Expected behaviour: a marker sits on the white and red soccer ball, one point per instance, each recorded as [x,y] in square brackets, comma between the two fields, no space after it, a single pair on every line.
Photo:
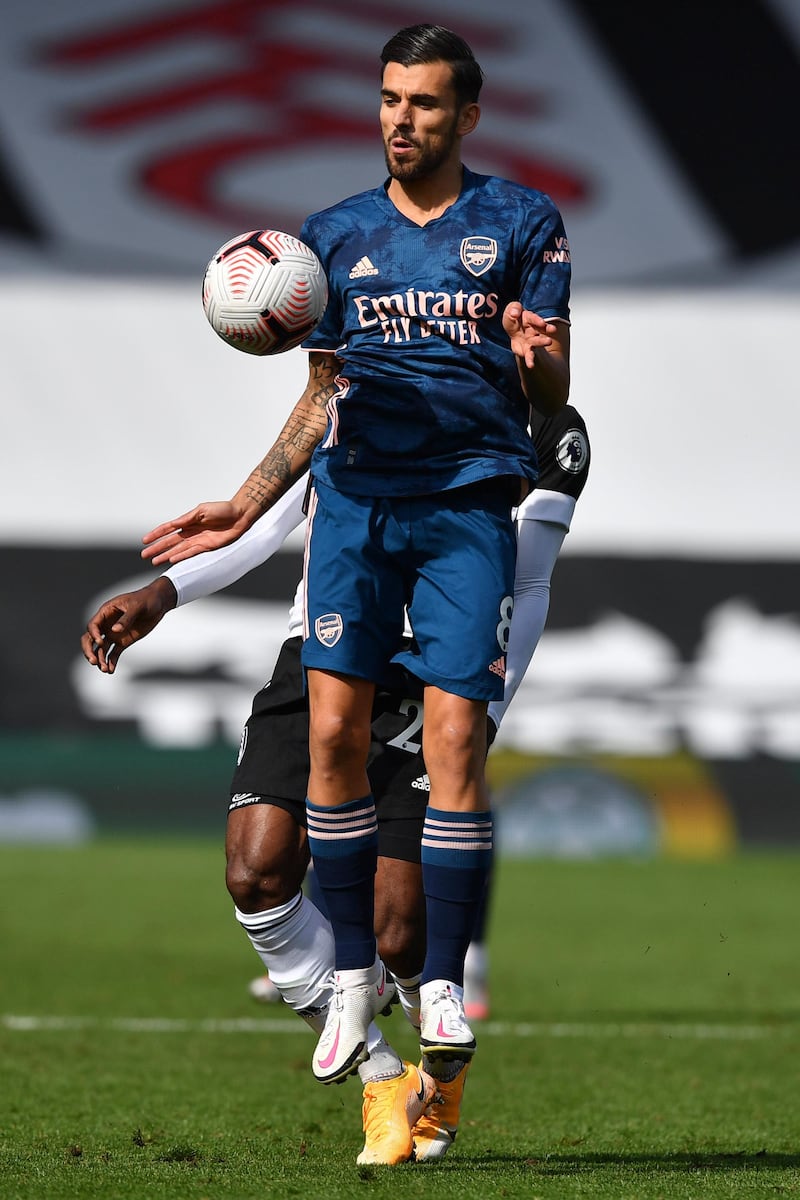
[264,292]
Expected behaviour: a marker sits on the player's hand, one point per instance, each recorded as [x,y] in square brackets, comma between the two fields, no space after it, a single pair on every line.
[206,527]
[527,332]
[123,620]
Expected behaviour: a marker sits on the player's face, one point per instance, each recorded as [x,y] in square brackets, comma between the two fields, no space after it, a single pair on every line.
[421,121]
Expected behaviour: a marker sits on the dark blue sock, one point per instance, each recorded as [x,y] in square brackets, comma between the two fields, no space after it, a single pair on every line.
[456,860]
[482,915]
[314,891]
[344,846]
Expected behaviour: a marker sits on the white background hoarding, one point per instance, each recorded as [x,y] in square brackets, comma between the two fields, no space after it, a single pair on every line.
[128,410]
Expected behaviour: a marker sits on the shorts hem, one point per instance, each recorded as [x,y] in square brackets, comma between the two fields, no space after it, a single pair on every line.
[295,808]
[456,687]
[375,676]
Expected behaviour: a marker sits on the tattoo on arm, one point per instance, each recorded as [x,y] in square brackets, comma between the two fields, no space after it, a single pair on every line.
[304,429]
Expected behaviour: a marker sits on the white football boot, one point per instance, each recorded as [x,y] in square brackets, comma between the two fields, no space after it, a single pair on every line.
[358,997]
[444,1032]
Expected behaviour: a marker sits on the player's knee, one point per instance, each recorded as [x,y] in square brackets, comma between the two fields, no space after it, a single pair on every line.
[336,740]
[455,746]
[255,883]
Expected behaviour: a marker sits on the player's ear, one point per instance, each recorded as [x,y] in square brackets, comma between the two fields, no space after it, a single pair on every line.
[468,118]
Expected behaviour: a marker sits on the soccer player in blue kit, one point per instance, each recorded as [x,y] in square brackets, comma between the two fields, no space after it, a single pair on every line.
[448,319]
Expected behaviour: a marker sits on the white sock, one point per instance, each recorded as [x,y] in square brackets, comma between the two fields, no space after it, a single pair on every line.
[476,963]
[295,944]
[383,1061]
[408,994]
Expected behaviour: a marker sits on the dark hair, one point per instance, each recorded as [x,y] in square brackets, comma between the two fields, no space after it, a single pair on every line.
[433,43]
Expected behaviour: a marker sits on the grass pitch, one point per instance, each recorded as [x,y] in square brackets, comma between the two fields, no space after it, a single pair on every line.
[644,1038]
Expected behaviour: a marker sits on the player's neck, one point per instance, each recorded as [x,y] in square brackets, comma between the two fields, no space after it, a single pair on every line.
[423,200]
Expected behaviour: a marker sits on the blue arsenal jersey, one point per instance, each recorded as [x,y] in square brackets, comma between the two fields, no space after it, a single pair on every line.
[429,396]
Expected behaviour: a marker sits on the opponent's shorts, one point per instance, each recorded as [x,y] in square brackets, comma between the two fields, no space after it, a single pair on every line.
[273,762]
[564,453]
[449,557]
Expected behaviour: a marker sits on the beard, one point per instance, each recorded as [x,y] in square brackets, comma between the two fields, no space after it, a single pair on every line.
[429,158]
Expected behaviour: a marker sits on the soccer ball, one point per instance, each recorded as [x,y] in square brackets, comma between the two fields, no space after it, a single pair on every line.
[264,292]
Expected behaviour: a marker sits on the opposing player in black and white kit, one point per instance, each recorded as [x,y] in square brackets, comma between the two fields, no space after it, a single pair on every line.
[266,844]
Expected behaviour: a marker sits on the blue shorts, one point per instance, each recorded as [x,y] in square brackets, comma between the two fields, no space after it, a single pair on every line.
[449,558]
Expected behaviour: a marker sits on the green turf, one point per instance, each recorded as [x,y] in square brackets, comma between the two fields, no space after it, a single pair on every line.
[645,1039]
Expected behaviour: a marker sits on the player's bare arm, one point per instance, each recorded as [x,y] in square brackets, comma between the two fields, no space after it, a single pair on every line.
[123,620]
[217,523]
[541,348]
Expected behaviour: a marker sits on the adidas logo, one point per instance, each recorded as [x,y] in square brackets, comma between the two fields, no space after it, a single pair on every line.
[499,667]
[363,268]
[423,783]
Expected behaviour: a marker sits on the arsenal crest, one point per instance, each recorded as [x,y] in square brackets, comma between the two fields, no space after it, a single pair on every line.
[328,628]
[478,253]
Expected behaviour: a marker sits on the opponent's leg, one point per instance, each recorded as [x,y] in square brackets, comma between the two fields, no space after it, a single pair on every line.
[268,852]
[267,855]
[400,926]
[266,844]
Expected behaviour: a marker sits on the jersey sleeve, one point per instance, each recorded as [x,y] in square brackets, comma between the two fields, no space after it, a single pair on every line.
[546,268]
[327,336]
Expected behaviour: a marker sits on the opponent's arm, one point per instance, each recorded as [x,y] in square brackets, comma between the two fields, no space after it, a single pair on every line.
[123,620]
[538,546]
[541,349]
[218,523]
[129,617]
[216,569]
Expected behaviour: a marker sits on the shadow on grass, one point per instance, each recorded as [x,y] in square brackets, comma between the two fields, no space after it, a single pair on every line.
[576,1164]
